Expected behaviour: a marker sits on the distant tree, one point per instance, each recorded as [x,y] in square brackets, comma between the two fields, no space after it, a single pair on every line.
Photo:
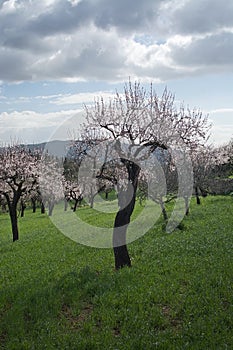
[162,181]
[3,203]
[204,161]
[106,187]
[18,172]
[35,196]
[23,205]
[51,181]
[91,148]
[144,122]
[220,180]
[224,160]
[73,192]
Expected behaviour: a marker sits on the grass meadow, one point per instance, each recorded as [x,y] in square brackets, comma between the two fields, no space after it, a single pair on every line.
[58,294]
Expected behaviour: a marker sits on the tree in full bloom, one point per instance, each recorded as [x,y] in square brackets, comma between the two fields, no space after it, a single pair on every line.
[144,122]
[18,174]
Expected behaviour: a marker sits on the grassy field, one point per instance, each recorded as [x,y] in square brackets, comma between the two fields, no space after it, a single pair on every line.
[57,294]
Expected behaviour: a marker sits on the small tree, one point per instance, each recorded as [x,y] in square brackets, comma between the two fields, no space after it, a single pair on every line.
[73,192]
[3,203]
[18,169]
[51,181]
[204,160]
[162,179]
[34,196]
[224,160]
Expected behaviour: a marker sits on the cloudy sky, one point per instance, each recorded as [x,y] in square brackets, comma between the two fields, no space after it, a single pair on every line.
[56,55]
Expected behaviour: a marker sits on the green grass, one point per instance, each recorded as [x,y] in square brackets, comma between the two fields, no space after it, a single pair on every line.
[57,294]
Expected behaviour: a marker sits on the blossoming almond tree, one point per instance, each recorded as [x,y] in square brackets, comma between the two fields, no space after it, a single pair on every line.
[73,192]
[144,121]
[51,179]
[18,172]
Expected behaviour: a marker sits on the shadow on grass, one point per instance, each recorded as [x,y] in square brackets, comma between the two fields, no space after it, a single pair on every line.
[33,312]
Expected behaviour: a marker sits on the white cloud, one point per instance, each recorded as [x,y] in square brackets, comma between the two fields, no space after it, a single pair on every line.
[81,98]
[30,126]
[221,110]
[103,39]
[222,125]
[9,6]
[221,134]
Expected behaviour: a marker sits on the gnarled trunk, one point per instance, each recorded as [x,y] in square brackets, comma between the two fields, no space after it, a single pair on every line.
[42,207]
[197,195]
[126,200]
[186,200]
[12,206]
[164,212]
[23,207]
[14,221]
[121,223]
[33,205]
[75,205]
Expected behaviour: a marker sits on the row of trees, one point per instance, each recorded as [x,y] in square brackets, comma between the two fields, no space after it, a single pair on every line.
[118,140]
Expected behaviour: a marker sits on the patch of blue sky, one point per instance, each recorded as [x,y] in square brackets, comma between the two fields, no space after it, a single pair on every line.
[148,40]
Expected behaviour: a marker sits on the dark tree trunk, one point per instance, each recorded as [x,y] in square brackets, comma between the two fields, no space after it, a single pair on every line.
[126,200]
[164,212]
[75,205]
[197,195]
[121,254]
[23,207]
[186,200]
[42,208]
[106,195]
[203,192]
[122,257]
[4,208]
[12,206]
[33,205]
[14,222]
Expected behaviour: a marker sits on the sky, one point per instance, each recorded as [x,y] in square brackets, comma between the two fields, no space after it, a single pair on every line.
[56,55]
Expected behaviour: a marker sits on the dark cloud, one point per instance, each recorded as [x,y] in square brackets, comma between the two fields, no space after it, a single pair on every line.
[61,18]
[96,57]
[14,65]
[210,51]
[201,16]
[125,15]
[55,39]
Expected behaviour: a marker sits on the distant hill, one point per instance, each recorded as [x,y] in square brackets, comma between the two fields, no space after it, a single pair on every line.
[57,148]
[64,149]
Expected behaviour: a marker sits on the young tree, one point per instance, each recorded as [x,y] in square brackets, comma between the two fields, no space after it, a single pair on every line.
[34,196]
[164,182]
[220,178]
[91,147]
[73,191]
[224,160]
[144,122]
[51,181]
[18,171]
[203,160]
[3,203]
